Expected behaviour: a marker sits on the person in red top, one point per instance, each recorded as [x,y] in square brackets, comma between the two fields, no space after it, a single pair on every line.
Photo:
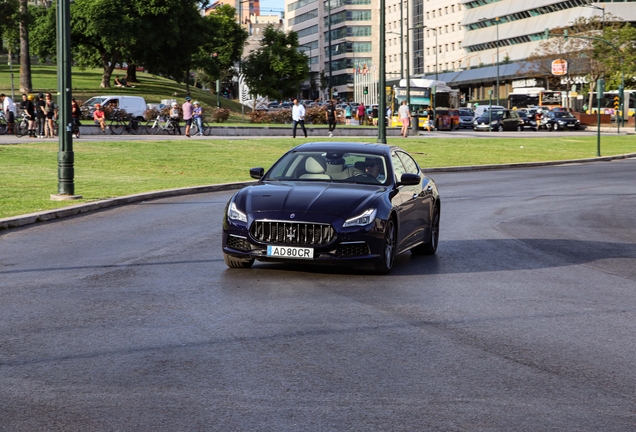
[100,119]
[361,112]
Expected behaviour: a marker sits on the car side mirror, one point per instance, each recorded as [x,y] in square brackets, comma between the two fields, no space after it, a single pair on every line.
[410,180]
[257,173]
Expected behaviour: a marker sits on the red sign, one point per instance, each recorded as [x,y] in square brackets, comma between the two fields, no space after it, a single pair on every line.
[559,67]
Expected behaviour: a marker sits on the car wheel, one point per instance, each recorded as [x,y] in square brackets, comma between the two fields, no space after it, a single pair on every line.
[500,128]
[430,247]
[385,263]
[232,262]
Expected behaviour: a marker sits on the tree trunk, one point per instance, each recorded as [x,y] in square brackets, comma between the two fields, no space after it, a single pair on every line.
[131,73]
[26,85]
[187,81]
[108,64]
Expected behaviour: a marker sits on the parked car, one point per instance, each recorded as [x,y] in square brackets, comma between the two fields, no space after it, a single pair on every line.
[528,120]
[499,120]
[334,202]
[466,117]
[483,109]
[133,105]
[556,120]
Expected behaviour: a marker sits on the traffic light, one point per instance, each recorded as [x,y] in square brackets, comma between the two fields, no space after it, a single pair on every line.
[617,103]
[366,90]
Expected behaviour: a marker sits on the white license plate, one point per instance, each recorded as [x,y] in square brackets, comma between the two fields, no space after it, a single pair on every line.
[290,252]
[570,125]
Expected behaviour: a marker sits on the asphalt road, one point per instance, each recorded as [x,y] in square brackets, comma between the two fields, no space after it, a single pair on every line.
[128,319]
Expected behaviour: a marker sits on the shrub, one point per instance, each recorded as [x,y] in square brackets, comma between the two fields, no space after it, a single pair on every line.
[315,115]
[220,115]
[280,116]
[259,116]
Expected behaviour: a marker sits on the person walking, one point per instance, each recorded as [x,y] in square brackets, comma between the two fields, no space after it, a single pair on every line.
[50,109]
[348,114]
[298,117]
[431,119]
[197,115]
[405,117]
[76,113]
[187,114]
[361,111]
[331,117]
[28,108]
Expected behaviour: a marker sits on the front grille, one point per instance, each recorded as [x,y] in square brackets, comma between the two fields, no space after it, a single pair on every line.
[292,233]
[239,243]
[352,249]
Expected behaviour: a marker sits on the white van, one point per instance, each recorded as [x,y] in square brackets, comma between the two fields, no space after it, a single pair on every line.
[483,109]
[133,105]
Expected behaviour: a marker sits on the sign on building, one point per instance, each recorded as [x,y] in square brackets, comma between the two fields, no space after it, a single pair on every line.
[559,67]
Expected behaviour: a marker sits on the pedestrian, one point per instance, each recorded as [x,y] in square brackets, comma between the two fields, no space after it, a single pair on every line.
[374,115]
[431,119]
[40,114]
[361,113]
[348,114]
[197,115]
[330,113]
[405,118]
[28,108]
[187,114]
[298,117]
[8,108]
[76,113]
[99,118]
[389,113]
[50,109]
[174,117]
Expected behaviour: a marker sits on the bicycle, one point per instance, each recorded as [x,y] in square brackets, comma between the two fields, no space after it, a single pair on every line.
[22,126]
[154,126]
[206,129]
[3,124]
[118,124]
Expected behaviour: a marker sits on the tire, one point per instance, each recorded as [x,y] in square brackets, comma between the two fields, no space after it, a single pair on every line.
[21,129]
[171,129]
[207,130]
[430,247]
[3,127]
[116,127]
[232,262]
[194,129]
[385,263]
[152,127]
[135,127]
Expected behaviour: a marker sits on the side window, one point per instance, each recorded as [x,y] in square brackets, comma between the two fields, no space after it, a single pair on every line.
[410,166]
[398,167]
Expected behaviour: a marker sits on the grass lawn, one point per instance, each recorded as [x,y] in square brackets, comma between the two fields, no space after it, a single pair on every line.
[28,173]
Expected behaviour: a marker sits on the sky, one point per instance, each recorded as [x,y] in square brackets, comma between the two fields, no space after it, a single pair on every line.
[271,4]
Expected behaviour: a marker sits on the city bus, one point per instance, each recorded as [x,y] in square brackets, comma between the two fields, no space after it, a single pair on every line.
[524,97]
[607,102]
[422,97]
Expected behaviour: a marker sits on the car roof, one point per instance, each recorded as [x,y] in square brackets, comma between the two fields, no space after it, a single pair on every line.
[329,146]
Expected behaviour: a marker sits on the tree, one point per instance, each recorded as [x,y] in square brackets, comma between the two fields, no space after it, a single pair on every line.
[277,68]
[26,84]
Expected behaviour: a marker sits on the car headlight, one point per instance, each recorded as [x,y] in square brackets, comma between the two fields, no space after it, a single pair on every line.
[362,220]
[561,122]
[235,214]
[494,122]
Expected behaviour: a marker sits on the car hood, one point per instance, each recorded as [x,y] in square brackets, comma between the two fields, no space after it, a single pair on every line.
[336,199]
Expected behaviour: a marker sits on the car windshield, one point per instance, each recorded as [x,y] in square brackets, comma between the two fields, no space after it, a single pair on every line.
[522,114]
[496,115]
[342,167]
[94,100]
[563,114]
[467,113]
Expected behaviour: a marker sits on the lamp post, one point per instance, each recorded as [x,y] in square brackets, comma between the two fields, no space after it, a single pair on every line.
[382,78]
[435,30]
[601,8]
[329,31]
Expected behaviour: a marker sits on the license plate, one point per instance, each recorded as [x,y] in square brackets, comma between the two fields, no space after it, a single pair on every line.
[570,125]
[290,252]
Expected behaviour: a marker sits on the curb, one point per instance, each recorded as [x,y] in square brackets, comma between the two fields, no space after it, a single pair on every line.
[50,215]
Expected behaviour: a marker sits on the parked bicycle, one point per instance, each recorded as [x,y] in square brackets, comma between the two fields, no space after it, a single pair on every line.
[169,126]
[22,126]
[121,122]
[3,124]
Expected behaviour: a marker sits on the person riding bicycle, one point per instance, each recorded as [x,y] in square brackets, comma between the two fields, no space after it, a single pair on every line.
[174,117]
[99,117]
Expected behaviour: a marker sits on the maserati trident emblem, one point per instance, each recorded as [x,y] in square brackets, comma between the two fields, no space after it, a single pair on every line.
[291,234]
[293,215]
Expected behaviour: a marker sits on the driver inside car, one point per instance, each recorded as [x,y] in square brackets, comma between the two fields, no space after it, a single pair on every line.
[372,167]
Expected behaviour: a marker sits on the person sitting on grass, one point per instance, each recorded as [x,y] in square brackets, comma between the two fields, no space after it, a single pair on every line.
[121,82]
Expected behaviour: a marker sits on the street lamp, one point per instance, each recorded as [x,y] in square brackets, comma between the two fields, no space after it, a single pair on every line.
[497,25]
[382,78]
[330,62]
[601,8]
[435,30]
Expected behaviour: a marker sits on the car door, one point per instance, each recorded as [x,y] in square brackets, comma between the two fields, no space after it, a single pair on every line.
[415,205]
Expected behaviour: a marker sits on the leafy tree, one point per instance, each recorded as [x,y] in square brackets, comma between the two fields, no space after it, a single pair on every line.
[277,68]
[26,84]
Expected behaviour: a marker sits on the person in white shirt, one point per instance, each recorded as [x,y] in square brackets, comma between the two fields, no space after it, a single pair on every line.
[9,111]
[298,117]
[405,118]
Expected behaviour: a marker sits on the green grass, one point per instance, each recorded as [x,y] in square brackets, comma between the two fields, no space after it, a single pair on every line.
[28,173]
